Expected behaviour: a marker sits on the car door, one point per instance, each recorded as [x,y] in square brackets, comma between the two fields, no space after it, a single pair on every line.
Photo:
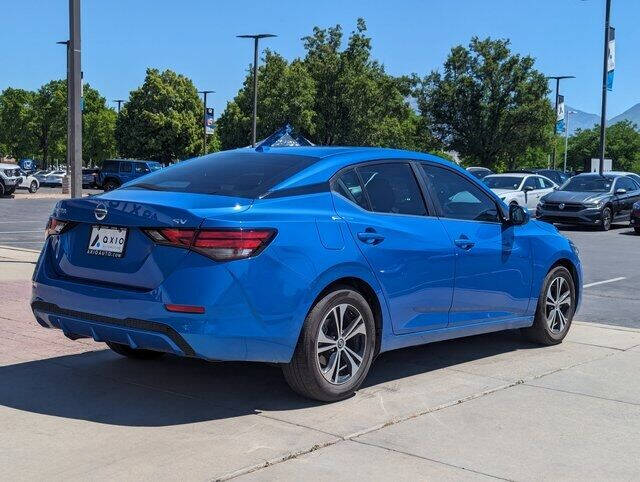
[406,246]
[623,201]
[126,171]
[140,169]
[546,186]
[532,194]
[493,260]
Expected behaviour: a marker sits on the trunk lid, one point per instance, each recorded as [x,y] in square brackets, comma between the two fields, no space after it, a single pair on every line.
[143,264]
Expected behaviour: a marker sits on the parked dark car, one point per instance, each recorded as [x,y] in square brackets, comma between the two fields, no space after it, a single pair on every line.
[116,172]
[90,177]
[480,172]
[635,217]
[559,177]
[591,199]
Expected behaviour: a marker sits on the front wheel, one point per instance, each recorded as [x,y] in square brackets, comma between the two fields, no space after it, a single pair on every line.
[335,348]
[33,187]
[137,353]
[637,230]
[605,219]
[555,310]
[110,186]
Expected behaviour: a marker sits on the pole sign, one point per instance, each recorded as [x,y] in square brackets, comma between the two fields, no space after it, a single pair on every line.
[560,115]
[611,60]
[208,120]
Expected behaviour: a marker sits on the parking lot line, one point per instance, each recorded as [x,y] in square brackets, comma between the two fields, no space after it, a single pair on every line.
[589,285]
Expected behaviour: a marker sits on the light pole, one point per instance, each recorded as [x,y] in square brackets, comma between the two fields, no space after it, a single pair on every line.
[603,114]
[557,78]
[256,38]
[566,137]
[204,118]
[119,101]
[68,159]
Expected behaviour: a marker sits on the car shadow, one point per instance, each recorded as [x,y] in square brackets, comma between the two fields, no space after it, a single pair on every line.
[631,232]
[102,387]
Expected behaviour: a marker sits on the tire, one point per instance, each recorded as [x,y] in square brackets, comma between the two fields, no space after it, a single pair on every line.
[309,373]
[2,189]
[110,185]
[138,354]
[33,187]
[547,329]
[637,229]
[605,219]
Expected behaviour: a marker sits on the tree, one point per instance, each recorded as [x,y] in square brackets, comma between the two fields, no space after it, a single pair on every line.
[622,146]
[489,105]
[98,128]
[50,121]
[286,95]
[162,119]
[332,96]
[16,123]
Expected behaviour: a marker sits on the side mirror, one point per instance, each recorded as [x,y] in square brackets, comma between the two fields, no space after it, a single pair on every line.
[621,191]
[528,188]
[517,215]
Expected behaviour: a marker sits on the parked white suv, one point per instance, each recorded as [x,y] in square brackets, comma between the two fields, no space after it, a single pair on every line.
[520,188]
[9,178]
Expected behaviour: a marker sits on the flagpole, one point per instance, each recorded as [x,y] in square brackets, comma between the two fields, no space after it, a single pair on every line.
[603,113]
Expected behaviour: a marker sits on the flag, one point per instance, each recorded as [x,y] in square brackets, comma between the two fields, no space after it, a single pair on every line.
[611,60]
[208,120]
[560,115]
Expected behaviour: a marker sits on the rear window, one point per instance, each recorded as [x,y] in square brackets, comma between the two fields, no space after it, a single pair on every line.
[110,166]
[232,173]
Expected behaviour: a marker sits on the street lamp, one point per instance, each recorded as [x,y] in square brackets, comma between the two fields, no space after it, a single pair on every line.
[204,118]
[566,136]
[557,78]
[119,101]
[256,38]
[603,114]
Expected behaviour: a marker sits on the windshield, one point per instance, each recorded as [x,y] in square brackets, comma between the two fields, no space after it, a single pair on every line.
[503,182]
[588,184]
[238,173]
[154,166]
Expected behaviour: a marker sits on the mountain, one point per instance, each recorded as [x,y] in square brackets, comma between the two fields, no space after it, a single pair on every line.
[581,120]
[632,114]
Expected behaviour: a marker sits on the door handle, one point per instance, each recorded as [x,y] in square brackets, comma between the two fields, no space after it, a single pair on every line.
[464,243]
[370,237]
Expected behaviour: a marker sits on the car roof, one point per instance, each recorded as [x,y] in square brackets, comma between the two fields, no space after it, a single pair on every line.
[329,160]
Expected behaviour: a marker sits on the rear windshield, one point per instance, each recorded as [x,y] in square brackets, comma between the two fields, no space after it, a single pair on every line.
[588,184]
[233,173]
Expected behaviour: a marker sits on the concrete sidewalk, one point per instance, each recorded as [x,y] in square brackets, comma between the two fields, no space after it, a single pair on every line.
[490,406]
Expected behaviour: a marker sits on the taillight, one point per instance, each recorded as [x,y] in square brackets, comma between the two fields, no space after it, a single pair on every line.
[54,226]
[219,244]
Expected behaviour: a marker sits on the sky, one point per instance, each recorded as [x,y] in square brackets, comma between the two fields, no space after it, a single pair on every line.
[197,38]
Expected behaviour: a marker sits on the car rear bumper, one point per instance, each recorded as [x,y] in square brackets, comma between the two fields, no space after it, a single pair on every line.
[233,327]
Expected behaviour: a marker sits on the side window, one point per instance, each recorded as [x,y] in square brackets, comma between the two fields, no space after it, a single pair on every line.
[348,185]
[392,188]
[141,168]
[110,166]
[625,183]
[530,183]
[544,183]
[125,167]
[458,197]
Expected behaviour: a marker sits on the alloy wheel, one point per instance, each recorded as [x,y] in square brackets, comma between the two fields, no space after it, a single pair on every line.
[341,344]
[606,219]
[558,304]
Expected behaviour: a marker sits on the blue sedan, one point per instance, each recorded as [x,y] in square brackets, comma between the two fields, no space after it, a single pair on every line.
[315,258]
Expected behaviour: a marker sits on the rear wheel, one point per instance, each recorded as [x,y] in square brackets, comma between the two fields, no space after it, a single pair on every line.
[335,348]
[556,306]
[605,219]
[110,185]
[33,187]
[136,353]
